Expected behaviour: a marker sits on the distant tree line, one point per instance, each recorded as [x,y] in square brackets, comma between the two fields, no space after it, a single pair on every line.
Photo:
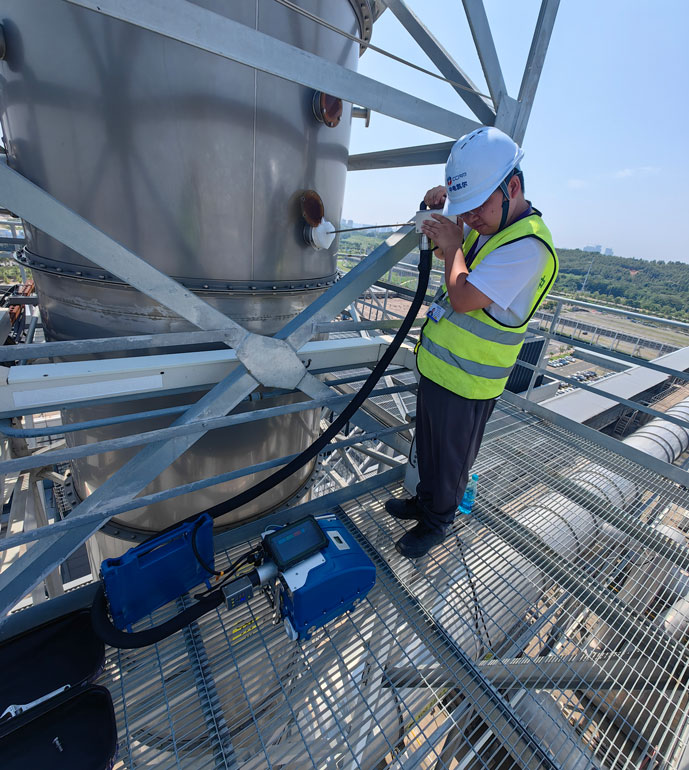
[657,287]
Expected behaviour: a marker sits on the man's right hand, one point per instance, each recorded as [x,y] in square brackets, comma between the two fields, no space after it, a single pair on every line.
[435,197]
[447,235]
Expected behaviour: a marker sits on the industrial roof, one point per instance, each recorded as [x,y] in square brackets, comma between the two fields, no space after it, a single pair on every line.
[582,405]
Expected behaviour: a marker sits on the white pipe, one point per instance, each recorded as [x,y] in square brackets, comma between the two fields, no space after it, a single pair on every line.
[662,439]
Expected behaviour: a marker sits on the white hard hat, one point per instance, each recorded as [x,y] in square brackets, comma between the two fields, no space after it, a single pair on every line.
[477,165]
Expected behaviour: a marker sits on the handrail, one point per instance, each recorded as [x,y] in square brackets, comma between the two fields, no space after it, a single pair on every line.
[618,311]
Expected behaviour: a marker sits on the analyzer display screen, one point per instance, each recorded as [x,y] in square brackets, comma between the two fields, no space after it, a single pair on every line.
[295,542]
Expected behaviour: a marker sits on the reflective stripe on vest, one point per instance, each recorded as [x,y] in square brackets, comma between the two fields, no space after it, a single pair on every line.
[471,367]
[472,354]
[478,328]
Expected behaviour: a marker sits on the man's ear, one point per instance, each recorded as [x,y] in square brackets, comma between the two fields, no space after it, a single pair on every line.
[514,186]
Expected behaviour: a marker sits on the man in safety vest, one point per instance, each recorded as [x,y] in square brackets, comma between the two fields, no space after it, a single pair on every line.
[500,263]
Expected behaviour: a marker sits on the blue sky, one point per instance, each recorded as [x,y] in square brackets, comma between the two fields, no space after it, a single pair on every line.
[606,156]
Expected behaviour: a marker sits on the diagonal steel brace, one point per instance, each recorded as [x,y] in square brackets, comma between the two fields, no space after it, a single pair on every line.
[42,557]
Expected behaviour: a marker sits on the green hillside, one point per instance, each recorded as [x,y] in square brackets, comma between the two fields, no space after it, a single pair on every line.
[655,287]
[360,242]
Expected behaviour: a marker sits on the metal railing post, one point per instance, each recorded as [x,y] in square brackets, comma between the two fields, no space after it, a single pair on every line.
[544,349]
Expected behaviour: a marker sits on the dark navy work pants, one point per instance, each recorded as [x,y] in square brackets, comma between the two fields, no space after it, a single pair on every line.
[449,430]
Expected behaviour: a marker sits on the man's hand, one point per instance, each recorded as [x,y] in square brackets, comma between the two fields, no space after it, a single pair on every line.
[447,234]
[435,197]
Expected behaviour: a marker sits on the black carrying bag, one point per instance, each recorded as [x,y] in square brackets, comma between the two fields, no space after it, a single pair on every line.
[72,731]
[75,729]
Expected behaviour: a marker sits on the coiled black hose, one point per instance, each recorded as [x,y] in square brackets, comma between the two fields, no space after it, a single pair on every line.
[110,634]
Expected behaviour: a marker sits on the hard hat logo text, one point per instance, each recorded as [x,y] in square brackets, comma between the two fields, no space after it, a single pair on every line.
[454,183]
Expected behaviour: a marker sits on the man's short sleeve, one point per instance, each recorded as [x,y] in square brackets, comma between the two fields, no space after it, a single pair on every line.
[510,276]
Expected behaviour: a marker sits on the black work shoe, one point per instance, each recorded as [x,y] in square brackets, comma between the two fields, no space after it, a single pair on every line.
[418,541]
[403,509]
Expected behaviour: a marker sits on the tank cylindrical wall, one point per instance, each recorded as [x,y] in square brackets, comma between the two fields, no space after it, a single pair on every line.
[196,164]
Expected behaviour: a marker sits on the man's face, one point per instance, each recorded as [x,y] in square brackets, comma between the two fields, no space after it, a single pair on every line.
[486,218]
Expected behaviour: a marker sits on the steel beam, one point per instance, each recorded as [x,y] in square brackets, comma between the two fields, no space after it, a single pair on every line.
[22,299]
[298,331]
[319,390]
[330,399]
[443,61]
[69,523]
[380,457]
[608,671]
[615,399]
[650,639]
[422,155]
[485,47]
[110,344]
[600,356]
[525,748]
[217,729]
[198,27]
[385,417]
[359,326]
[46,387]
[36,206]
[42,557]
[629,524]
[534,66]
[81,598]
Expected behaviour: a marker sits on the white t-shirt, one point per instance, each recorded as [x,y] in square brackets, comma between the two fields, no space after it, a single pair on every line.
[510,275]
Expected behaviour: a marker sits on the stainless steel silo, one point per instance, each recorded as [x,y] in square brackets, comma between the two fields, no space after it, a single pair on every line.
[196,164]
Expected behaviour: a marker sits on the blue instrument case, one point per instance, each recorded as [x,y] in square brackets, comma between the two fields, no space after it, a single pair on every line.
[157,571]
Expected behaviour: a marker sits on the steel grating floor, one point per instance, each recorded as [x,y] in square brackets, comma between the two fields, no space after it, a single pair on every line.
[548,631]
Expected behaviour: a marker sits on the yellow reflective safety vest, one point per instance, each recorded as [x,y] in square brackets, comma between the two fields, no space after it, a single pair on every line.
[472,354]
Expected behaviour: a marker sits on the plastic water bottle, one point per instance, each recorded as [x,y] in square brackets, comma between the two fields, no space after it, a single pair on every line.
[469,495]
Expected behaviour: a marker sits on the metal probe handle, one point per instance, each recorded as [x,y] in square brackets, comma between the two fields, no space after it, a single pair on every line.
[424,240]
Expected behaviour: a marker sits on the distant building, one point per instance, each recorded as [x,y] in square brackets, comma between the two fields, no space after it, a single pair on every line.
[596,249]
[609,253]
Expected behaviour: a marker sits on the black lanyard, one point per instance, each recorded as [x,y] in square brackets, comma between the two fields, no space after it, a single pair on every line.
[472,252]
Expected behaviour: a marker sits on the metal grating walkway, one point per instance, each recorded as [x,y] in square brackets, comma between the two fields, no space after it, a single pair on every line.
[548,631]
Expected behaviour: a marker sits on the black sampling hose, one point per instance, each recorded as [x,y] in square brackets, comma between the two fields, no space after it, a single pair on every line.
[346,414]
[103,625]
[110,634]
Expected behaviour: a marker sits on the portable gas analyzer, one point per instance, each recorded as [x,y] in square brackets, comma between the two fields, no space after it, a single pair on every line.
[322,572]
[313,570]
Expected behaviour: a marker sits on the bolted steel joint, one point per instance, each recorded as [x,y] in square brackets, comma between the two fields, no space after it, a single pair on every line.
[272,362]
